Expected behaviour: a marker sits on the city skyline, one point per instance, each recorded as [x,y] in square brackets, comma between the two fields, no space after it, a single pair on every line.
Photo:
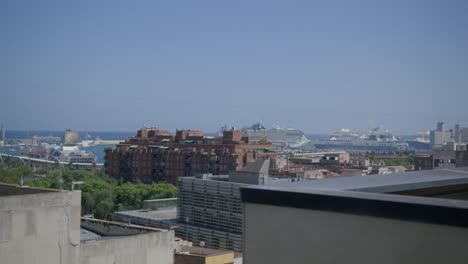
[318,67]
[30,131]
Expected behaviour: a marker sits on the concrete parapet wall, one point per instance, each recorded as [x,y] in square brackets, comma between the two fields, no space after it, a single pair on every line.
[40,228]
[313,236]
[154,248]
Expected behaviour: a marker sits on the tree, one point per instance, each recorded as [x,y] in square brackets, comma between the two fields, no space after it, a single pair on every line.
[104,200]
[87,203]
[13,175]
[104,210]
[101,194]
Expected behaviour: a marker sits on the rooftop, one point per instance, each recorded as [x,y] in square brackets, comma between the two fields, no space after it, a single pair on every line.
[160,214]
[258,166]
[95,229]
[413,196]
[379,183]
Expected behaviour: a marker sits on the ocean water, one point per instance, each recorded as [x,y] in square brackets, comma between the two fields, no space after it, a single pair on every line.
[98,150]
[21,134]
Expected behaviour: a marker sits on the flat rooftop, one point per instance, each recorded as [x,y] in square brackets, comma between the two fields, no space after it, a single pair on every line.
[379,183]
[410,196]
[160,214]
[96,229]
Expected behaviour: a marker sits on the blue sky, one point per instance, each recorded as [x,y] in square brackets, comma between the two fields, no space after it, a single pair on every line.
[314,65]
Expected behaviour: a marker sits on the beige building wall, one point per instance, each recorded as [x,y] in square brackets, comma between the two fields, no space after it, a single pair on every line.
[221,259]
[189,259]
[41,228]
[274,234]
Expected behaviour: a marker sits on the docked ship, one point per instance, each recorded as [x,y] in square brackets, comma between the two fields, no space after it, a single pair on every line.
[290,137]
[72,154]
[356,140]
[68,152]
[421,143]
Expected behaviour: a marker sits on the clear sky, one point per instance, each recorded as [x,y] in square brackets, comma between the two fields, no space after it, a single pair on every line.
[314,65]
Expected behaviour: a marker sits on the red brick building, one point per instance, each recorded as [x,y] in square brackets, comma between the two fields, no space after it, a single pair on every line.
[156,155]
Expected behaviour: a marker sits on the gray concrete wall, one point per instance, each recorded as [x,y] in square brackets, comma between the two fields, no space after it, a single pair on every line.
[281,235]
[462,158]
[40,228]
[244,177]
[154,248]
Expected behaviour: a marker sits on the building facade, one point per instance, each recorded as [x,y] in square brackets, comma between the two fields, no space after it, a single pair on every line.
[210,210]
[209,207]
[464,134]
[451,155]
[43,226]
[440,136]
[359,220]
[423,161]
[155,155]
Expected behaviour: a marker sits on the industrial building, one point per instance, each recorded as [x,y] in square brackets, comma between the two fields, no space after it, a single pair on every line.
[412,217]
[43,226]
[155,155]
[209,207]
[450,155]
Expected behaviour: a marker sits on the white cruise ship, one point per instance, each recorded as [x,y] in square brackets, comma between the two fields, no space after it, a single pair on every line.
[354,140]
[277,135]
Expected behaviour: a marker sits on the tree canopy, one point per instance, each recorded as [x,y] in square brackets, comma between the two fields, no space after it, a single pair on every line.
[101,195]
